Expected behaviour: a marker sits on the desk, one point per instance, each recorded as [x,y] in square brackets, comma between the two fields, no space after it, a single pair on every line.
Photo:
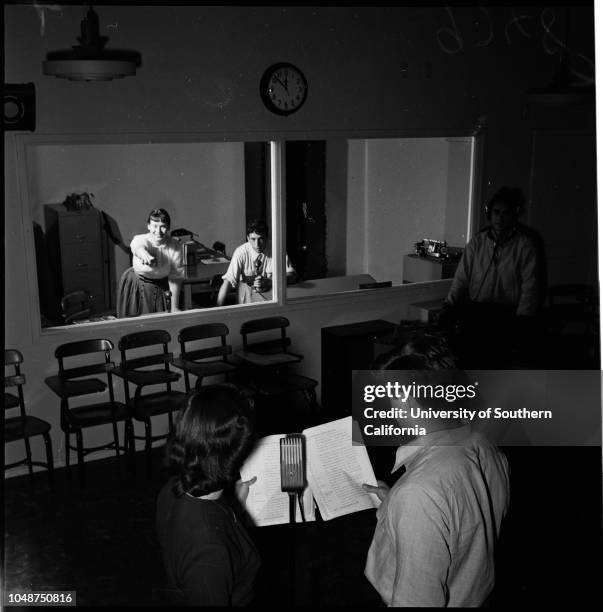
[418,269]
[308,288]
[202,273]
[331,284]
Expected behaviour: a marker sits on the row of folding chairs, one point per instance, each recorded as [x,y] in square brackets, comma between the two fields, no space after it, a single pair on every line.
[149,370]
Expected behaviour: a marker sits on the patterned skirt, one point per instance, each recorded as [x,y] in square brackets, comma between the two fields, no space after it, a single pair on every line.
[137,295]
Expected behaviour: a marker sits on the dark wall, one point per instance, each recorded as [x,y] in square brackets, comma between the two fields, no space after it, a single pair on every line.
[384,69]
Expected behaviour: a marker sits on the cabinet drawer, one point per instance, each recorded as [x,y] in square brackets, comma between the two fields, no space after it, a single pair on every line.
[91,280]
[79,228]
[82,255]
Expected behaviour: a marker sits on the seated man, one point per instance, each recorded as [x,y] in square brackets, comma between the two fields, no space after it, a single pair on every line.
[498,285]
[437,527]
[250,270]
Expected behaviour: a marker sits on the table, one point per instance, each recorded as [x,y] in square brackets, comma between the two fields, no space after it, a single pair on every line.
[419,269]
[325,286]
[198,277]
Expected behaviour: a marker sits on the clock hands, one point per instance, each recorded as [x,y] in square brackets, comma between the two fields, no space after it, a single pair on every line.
[285,100]
[283,84]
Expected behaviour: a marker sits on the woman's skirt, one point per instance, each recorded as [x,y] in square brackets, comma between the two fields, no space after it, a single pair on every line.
[137,295]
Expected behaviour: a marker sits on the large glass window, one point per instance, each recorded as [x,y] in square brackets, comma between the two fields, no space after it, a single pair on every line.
[356,208]
[210,190]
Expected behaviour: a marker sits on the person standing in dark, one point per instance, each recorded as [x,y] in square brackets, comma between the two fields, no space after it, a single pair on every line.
[498,287]
[207,553]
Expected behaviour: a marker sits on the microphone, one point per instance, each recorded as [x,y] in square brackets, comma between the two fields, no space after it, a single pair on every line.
[258,265]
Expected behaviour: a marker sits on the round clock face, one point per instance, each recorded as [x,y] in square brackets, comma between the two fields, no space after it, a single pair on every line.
[283,88]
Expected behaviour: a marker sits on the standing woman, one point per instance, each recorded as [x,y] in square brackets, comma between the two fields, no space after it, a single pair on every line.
[208,556]
[156,270]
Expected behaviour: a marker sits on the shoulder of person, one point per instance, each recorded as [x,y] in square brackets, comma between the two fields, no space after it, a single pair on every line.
[140,239]
[241,250]
[477,240]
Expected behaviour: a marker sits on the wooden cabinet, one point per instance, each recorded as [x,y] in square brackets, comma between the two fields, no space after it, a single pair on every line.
[346,348]
[77,253]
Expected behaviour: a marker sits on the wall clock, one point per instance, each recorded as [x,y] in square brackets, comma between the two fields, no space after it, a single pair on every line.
[283,88]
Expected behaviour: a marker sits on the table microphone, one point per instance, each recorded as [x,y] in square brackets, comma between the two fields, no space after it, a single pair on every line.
[258,265]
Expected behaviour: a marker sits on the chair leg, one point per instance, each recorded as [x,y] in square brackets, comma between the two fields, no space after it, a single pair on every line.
[67,449]
[116,438]
[49,459]
[130,448]
[148,445]
[80,454]
[28,455]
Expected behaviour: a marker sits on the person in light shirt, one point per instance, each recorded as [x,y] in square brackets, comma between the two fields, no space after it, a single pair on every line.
[438,525]
[156,271]
[251,268]
[496,295]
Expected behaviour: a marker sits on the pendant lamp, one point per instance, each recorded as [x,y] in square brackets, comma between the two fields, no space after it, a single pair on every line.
[90,61]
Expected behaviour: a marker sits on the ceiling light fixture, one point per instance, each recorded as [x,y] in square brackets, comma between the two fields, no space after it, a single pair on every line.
[90,61]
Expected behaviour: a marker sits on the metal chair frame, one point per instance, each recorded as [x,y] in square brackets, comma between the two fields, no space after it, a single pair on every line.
[83,380]
[267,359]
[76,306]
[24,425]
[142,407]
[206,361]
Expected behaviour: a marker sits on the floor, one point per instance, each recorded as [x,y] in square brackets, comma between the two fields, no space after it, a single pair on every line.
[100,541]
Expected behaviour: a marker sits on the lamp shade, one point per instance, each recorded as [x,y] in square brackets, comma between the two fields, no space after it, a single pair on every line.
[89,61]
[89,69]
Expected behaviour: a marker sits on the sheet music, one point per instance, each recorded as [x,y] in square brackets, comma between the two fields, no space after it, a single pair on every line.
[266,503]
[337,470]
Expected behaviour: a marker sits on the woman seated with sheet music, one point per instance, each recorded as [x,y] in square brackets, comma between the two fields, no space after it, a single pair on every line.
[208,556]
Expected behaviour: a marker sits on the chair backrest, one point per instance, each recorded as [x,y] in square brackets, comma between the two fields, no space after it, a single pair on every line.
[85,347]
[76,305]
[14,358]
[204,332]
[144,339]
[266,324]
[85,350]
[219,246]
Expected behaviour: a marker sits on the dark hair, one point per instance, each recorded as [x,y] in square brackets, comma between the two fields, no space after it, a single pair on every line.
[212,437]
[511,197]
[421,352]
[159,214]
[431,361]
[257,226]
